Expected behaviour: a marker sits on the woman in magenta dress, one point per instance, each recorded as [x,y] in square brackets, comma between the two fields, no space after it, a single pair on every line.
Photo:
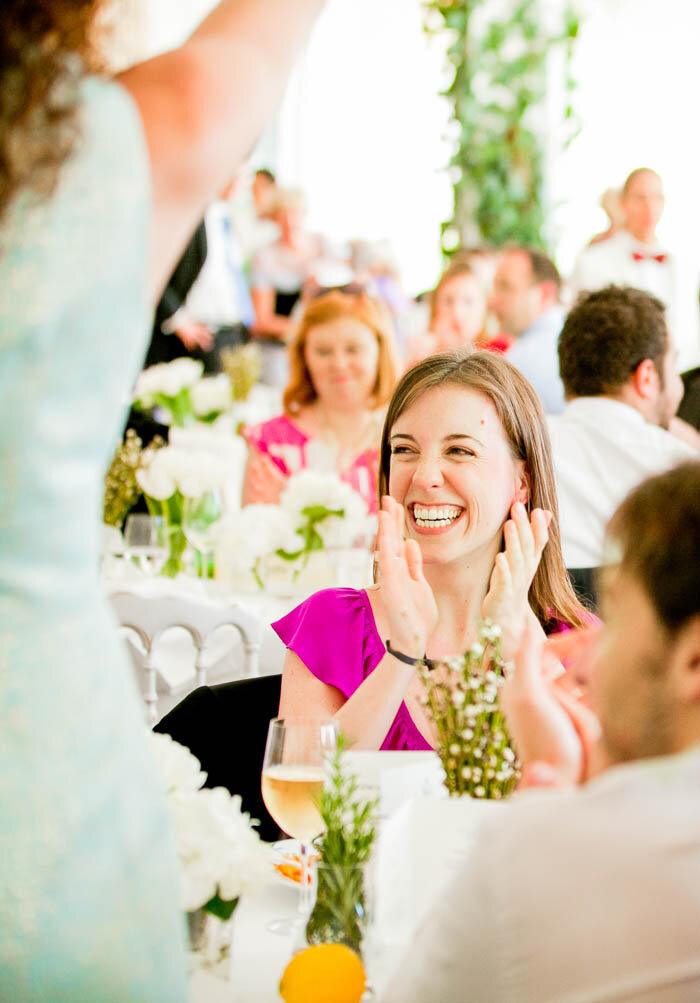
[342,373]
[468,530]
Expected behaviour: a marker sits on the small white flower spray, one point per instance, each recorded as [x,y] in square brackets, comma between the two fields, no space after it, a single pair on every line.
[473,743]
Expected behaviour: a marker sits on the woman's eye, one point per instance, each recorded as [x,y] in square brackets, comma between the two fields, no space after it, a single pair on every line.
[398,450]
[459,451]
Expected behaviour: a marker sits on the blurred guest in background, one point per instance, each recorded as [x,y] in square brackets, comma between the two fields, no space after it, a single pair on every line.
[342,373]
[618,367]
[278,274]
[634,256]
[610,203]
[525,300]
[457,315]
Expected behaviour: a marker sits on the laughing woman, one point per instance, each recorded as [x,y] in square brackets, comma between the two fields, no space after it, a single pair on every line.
[468,529]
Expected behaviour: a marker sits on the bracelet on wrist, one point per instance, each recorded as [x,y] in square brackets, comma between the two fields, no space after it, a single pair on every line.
[408,659]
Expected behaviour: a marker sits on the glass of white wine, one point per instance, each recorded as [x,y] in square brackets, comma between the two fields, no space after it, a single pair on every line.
[145,542]
[293,775]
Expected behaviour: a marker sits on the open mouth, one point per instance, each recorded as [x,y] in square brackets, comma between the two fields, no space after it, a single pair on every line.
[435,516]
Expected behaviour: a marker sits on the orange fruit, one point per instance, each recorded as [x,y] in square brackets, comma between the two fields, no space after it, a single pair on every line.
[324,973]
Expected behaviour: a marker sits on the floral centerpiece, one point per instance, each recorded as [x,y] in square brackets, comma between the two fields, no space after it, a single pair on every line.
[221,855]
[181,393]
[167,478]
[473,743]
[122,488]
[317,511]
[341,911]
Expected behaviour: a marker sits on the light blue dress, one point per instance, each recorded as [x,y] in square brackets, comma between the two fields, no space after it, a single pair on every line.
[88,888]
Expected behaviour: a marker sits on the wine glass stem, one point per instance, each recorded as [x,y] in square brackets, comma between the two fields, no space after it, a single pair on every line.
[305,894]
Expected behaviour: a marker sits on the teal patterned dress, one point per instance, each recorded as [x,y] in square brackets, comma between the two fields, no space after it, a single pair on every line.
[88,888]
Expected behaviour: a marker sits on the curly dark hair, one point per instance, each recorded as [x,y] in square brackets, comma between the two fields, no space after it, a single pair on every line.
[46,46]
[606,335]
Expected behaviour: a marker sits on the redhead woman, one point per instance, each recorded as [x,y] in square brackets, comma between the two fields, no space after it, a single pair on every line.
[342,373]
[468,529]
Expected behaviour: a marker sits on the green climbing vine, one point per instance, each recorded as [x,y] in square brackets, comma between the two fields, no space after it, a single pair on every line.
[497,94]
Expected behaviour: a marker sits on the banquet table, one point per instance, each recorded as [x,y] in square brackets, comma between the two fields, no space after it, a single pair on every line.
[422,838]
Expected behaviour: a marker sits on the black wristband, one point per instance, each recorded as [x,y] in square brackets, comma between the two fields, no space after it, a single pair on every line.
[429,664]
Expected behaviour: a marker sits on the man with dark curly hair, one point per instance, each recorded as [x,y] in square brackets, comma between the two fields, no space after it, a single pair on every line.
[617,364]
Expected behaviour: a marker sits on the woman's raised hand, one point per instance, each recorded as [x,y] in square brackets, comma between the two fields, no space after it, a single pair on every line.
[506,601]
[264,481]
[408,599]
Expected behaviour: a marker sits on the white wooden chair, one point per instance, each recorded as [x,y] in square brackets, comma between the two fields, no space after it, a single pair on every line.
[149,617]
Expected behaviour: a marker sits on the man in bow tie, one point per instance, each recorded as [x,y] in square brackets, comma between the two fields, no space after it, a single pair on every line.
[634,257]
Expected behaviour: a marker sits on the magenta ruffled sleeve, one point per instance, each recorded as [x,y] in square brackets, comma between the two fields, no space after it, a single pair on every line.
[334,635]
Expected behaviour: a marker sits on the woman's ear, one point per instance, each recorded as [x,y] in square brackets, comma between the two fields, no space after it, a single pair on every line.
[522,486]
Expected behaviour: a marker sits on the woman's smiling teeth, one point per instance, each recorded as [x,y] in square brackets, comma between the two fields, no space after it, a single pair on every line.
[433,516]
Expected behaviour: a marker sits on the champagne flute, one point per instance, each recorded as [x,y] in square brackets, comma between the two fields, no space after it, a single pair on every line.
[292,781]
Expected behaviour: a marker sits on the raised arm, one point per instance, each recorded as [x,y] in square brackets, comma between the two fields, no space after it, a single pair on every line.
[203,106]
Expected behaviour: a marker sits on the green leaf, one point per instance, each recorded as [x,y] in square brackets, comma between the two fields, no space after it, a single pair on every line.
[220,907]
[316,513]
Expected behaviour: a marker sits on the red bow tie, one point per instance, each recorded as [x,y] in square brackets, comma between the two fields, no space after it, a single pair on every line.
[649,257]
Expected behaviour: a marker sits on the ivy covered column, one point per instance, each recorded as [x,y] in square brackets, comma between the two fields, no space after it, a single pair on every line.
[499,52]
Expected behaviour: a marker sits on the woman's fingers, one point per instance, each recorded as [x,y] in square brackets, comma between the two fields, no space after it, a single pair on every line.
[414,560]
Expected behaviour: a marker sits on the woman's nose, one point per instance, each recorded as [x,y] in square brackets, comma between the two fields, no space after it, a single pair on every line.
[428,472]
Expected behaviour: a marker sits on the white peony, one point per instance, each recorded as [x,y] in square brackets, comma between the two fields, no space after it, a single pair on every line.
[254,532]
[310,488]
[211,395]
[171,469]
[167,378]
[219,851]
[178,768]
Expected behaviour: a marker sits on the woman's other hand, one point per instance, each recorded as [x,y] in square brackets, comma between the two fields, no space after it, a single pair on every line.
[506,602]
[555,733]
[407,597]
[263,482]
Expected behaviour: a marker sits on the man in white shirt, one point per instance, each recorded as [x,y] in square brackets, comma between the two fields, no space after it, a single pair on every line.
[593,894]
[634,257]
[618,368]
[525,299]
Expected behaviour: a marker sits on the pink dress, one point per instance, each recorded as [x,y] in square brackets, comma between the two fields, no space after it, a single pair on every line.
[334,634]
[286,445]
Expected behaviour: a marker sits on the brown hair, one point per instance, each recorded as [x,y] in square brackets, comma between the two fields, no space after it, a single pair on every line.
[455,271]
[606,335]
[657,530]
[337,305]
[45,49]
[520,412]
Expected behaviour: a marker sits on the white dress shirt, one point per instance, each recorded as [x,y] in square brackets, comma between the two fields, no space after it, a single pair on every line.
[613,261]
[534,353]
[578,896]
[602,449]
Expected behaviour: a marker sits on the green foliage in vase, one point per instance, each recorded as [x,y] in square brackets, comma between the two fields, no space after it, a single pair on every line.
[340,912]
[497,96]
[310,536]
[242,365]
[473,742]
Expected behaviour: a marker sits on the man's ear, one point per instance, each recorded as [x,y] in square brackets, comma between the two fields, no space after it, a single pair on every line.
[685,662]
[646,380]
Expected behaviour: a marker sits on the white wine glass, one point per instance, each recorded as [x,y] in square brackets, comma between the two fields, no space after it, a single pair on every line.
[293,775]
[145,542]
[200,518]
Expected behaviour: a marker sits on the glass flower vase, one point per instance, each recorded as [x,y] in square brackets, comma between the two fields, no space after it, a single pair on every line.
[211,942]
[168,512]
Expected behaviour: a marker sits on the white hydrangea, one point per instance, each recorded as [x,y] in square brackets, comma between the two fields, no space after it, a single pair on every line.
[211,395]
[178,768]
[167,378]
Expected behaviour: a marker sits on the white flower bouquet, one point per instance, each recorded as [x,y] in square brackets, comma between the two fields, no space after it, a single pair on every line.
[168,477]
[221,855]
[169,387]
